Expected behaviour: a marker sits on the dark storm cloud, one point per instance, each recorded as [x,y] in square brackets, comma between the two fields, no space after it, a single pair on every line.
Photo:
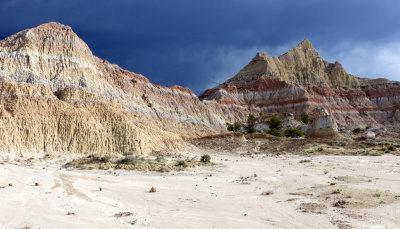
[199,44]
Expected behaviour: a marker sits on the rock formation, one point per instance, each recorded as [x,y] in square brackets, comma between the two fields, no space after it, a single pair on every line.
[300,80]
[57,97]
[321,124]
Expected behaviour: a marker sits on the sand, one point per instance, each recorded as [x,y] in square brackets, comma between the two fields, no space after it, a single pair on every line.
[226,195]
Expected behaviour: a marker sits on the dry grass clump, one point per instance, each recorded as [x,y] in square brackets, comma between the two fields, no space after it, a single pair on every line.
[130,162]
[123,214]
[305,161]
[267,193]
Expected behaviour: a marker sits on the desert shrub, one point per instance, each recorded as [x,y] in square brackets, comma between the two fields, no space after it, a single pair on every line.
[304,117]
[356,130]
[229,126]
[94,157]
[273,132]
[233,127]
[275,123]
[159,159]
[130,160]
[367,127]
[250,118]
[164,170]
[99,158]
[205,158]
[127,153]
[293,132]
[182,163]
[236,126]
[106,158]
[251,130]
[391,148]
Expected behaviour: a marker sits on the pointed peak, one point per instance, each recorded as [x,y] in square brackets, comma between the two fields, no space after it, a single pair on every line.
[305,44]
[52,27]
[49,38]
[261,56]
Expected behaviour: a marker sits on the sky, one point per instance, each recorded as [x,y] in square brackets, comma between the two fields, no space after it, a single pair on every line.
[200,44]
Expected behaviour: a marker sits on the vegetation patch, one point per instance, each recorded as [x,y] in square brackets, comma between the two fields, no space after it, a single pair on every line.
[274,132]
[293,133]
[356,131]
[139,163]
[275,123]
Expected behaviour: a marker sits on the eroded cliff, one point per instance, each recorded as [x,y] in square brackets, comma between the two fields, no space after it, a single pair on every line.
[300,80]
[55,96]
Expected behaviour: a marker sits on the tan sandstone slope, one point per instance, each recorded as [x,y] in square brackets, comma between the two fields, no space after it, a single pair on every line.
[300,80]
[55,96]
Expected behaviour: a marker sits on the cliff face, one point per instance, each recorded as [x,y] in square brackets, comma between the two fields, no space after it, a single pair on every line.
[300,80]
[55,96]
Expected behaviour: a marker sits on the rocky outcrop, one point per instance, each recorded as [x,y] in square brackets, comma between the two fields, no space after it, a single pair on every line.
[300,80]
[321,124]
[56,97]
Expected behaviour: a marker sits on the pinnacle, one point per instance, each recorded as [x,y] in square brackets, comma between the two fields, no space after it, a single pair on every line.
[53,27]
[305,44]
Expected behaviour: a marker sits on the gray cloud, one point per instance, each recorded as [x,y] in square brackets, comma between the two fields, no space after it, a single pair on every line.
[198,44]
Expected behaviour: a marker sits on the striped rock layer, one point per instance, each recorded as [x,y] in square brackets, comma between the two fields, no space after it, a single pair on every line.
[57,97]
[300,80]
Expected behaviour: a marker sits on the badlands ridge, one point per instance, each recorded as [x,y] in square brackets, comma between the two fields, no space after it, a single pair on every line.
[57,97]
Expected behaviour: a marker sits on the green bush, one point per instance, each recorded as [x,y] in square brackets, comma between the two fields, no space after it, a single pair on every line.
[250,118]
[275,123]
[293,132]
[273,132]
[205,158]
[236,126]
[261,114]
[233,127]
[229,126]
[392,148]
[304,117]
[251,130]
[356,130]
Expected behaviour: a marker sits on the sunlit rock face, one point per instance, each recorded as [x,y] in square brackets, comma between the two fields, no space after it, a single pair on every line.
[322,124]
[300,80]
[55,96]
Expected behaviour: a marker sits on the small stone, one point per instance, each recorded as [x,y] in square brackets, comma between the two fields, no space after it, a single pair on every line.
[10,184]
[36,184]
[153,189]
